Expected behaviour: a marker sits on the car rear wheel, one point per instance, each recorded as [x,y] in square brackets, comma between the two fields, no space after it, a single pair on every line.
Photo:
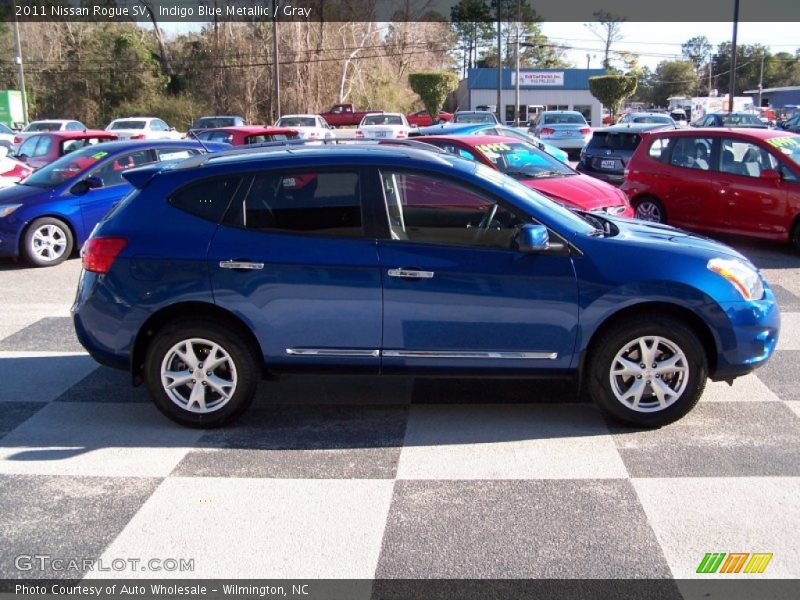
[200,374]
[650,209]
[647,372]
[47,242]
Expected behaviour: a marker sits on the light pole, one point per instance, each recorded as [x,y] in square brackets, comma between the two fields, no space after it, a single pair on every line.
[20,69]
[732,91]
[499,67]
[276,72]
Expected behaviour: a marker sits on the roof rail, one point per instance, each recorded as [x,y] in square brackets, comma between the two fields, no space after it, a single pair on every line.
[276,146]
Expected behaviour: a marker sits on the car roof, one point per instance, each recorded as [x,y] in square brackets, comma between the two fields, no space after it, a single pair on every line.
[80,135]
[306,115]
[633,127]
[220,117]
[560,112]
[116,146]
[252,129]
[472,140]
[384,114]
[761,134]
[54,121]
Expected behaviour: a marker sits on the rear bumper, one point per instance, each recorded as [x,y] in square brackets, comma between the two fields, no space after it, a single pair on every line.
[566,143]
[612,177]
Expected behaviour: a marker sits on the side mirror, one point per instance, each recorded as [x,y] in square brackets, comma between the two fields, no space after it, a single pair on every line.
[172,129]
[84,185]
[533,238]
[771,175]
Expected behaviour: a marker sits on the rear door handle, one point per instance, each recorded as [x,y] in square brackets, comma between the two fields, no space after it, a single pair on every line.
[410,274]
[241,264]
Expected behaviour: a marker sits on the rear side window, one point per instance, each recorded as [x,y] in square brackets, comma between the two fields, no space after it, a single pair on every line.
[207,199]
[325,203]
[659,149]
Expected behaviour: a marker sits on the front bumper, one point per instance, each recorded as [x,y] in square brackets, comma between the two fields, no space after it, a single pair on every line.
[755,327]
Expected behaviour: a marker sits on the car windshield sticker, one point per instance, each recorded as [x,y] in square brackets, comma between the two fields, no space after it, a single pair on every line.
[493,148]
[786,144]
[99,155]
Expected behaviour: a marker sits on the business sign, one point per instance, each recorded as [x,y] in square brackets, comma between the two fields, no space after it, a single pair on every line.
[538,78]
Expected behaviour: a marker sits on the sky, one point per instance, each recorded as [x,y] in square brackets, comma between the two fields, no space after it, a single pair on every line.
[654,42]
[662,41]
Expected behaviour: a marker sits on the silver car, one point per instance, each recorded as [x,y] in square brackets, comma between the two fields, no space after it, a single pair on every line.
[565,129]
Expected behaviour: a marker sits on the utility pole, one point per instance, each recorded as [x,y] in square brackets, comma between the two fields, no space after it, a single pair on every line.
[516,89]
[732,91]
[499,67]
[20,69]
[276,72]
[761,79]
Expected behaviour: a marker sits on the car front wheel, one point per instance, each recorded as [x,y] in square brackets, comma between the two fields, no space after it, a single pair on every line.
[47,242]
[201,374]
[648,372]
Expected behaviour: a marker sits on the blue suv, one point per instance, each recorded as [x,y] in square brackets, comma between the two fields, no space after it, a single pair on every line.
[224,268]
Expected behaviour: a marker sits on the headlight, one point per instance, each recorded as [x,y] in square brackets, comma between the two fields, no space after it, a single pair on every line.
[742,276]
[7,209]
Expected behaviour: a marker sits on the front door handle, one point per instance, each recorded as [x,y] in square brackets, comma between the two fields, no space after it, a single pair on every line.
[241,264]
[410,274]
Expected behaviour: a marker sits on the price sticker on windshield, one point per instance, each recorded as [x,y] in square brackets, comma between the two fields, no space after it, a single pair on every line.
[499,147]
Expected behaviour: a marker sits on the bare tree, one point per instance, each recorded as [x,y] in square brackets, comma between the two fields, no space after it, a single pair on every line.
[609,30]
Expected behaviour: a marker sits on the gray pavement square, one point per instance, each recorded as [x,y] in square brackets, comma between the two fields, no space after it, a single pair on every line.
[13,414]
[303,441]
[518,529]
[781,375]
[716,439]
[63,517]
[55,334]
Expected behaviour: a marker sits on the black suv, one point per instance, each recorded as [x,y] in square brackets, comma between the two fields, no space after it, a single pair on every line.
[610,149]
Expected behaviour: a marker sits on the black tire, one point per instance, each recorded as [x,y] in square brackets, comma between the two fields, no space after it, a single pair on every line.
[649,208]
[245,372]
[622,337]
[35,247]
[796,236]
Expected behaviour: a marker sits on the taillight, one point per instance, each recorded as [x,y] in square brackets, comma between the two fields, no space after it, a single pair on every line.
[98,254]
[17,139]
[138,136]
[547,131]
[359,133]
[586,130]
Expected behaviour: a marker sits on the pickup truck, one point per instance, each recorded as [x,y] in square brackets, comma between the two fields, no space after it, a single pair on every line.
[341,115]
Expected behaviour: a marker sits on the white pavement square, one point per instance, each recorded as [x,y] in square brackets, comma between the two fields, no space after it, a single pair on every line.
[789,338]
[693,516]
[508,441]
[96,439]
[277,528]
[744,389]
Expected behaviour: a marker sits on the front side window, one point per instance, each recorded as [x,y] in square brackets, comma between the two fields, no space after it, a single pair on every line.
[744,158]
[216,136]
[28,147]
[429,210]
[313,202]
[111,171]
[692,153]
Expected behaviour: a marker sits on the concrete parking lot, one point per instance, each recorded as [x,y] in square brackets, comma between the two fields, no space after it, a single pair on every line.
[350,477]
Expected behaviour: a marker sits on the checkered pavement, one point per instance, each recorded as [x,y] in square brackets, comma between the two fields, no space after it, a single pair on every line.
[346,477]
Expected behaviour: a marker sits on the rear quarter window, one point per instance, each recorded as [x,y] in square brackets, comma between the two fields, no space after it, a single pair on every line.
[207,199]
[659,149]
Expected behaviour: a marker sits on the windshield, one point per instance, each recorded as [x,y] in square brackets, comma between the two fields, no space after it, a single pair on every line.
[5,129]
[128,125]
[297,122]
[734,119]
[652,119]
[678,116]
[382,120]
[788,145]
[43,126]
[210,123]
[523,160]
[565,118]
[474,118]
[535,200]
[65,168]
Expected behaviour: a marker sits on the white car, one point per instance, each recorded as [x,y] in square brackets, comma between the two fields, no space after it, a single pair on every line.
[383,126]
[47,125]
[7,137]
[11,170]
[309,127]
[143,128]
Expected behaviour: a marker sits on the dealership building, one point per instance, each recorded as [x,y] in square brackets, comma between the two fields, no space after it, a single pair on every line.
[539,89]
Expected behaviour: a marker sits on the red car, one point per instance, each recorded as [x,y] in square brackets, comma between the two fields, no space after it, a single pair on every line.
[243,135]
[41,149]
[423,119]
[537,170]
[742,181]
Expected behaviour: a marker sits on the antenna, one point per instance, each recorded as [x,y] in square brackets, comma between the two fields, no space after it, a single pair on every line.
[199,141]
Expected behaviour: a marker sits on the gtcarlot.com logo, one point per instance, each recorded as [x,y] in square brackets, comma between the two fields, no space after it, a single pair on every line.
[46,562]
[734,562]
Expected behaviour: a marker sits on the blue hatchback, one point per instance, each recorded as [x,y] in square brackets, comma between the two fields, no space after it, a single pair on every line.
[54,210]
[227,267]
